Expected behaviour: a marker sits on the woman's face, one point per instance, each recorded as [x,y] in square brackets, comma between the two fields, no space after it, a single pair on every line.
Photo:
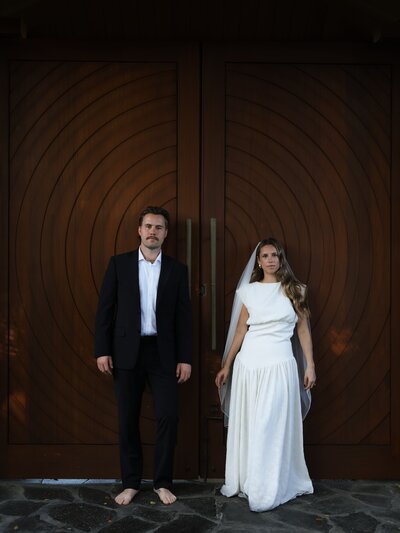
[269,259]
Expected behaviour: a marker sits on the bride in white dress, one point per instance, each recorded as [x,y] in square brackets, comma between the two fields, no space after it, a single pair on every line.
[261,393]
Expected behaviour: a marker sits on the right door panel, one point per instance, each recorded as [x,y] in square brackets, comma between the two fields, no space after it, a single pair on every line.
[307,159]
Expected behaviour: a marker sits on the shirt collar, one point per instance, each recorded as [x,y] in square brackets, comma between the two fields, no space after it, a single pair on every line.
[141,257]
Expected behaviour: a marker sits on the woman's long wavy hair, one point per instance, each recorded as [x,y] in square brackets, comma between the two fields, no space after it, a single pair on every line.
[294,289]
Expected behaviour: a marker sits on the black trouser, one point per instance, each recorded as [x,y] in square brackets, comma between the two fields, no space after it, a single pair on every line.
[129,386]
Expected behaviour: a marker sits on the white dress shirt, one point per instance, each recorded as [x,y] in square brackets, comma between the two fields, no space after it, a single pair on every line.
[149,274]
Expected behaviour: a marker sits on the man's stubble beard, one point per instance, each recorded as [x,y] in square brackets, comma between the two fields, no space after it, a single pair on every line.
[155,246]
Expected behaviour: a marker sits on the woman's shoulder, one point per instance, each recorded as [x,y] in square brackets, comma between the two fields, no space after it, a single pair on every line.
[243,291]
[248,291]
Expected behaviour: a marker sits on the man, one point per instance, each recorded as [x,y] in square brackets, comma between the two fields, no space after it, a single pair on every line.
[143,333]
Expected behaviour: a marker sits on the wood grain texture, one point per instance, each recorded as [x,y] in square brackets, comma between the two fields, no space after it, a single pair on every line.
[95,134]
[300,144]
[4,267]
[308,158]
[395,261]
[308,161]
[91,144]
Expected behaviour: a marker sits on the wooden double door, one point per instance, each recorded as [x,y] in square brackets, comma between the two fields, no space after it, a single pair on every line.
[241,144]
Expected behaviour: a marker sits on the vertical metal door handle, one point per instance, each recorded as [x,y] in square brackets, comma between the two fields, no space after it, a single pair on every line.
[189,252]
[213,241]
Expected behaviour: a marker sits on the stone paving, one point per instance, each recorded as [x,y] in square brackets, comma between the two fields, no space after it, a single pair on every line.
[335,507]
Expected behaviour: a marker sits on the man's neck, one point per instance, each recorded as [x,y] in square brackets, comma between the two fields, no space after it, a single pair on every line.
[150,254]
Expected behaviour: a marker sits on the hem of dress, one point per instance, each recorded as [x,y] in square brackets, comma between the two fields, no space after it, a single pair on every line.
[262,509]
[257,508]
[228,494]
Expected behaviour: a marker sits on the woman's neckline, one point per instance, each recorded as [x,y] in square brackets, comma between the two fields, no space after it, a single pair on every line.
[268,282]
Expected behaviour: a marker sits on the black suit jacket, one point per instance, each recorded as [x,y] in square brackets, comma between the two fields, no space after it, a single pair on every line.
[118,318]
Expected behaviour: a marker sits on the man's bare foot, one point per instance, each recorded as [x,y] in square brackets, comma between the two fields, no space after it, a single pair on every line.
[126,496]
[165,496]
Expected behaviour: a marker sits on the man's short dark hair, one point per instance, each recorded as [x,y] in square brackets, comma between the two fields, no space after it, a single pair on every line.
[154,210]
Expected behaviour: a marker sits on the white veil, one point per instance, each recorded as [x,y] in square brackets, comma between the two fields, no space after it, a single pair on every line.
[225,389]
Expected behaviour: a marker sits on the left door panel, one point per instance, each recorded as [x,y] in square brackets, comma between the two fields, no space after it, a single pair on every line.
[90,144]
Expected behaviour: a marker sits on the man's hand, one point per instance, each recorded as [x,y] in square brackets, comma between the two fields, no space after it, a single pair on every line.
[105,364]
[183,371]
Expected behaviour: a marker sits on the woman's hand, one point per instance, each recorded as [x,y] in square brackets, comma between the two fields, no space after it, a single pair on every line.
[222,376]
[309,377]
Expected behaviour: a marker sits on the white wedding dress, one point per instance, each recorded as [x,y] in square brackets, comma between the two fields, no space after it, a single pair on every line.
[265,459]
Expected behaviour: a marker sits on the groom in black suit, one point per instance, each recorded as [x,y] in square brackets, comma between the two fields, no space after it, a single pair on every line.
[143,333]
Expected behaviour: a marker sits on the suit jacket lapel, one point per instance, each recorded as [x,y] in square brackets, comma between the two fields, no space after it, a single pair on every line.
[166,266]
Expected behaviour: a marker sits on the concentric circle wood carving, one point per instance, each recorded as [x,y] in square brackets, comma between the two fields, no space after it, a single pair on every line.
[308,161]
[91,144]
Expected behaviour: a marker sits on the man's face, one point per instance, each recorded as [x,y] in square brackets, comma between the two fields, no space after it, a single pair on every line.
[152,231]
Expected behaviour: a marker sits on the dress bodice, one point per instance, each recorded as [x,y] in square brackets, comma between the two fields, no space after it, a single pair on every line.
[270,310]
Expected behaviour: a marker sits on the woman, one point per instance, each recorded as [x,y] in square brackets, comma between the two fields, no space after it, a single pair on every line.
[265,459]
